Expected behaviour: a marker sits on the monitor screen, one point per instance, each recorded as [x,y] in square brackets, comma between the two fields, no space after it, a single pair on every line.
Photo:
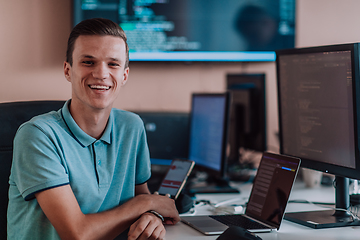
[202,30]
[317,108]
[167,135]
[318,90]
[208,131]
[247,124]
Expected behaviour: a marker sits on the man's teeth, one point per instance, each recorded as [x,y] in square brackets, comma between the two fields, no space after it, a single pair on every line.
[99,87]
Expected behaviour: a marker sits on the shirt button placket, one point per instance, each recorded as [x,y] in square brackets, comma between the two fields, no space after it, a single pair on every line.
[97,160]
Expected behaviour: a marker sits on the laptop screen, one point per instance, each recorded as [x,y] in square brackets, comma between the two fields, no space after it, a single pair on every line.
[271,189]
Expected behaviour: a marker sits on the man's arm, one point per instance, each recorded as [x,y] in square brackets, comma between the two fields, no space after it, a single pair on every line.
[62,209]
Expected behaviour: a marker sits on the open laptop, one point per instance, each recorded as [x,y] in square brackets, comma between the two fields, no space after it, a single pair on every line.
[267,202]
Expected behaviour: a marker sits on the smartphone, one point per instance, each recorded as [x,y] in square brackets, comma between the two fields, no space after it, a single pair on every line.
[176,177]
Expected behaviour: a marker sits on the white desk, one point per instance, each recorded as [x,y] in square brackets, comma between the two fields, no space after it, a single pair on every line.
[288,230]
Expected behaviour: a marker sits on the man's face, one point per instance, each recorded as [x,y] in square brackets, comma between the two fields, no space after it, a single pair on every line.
[97,72]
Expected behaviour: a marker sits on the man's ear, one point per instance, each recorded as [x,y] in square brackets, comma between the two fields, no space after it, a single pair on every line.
[126,76]
[67,69]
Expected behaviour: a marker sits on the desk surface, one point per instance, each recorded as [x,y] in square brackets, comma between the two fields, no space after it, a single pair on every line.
[288,230]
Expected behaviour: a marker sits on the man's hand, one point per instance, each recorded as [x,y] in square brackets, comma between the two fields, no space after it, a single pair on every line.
[161,204]
[148,226]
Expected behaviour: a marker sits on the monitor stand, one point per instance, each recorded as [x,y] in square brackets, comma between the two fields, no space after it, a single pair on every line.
[213,185]
[329,218]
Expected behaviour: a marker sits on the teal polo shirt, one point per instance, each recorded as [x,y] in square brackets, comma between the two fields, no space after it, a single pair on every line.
[51,150]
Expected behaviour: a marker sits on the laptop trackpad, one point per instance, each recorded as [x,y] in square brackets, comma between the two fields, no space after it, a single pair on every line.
[205,224]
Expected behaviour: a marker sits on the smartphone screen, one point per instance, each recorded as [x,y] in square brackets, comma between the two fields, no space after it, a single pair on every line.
[176,177]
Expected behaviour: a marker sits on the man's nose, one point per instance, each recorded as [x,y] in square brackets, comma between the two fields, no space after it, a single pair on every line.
[101,71]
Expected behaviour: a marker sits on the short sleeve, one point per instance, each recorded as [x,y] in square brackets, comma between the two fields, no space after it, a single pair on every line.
[143,168]
[37,162]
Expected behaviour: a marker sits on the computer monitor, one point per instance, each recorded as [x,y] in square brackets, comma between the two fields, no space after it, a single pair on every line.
[201,30]
[318,96]
[167,135]
[208,138]
[247,127]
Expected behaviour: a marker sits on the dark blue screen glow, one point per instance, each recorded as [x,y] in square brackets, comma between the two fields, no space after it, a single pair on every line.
[207,130]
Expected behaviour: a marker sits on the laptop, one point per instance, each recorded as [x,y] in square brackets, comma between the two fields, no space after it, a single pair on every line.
[267,202]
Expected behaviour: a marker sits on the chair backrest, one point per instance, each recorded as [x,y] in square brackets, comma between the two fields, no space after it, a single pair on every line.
[12,115]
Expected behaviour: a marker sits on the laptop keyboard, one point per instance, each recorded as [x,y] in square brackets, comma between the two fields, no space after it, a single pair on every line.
[238,220]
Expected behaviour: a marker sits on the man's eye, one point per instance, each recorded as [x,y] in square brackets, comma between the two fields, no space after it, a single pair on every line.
[114,64]
[87,62]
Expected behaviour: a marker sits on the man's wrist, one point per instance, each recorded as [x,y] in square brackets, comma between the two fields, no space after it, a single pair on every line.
[156,214]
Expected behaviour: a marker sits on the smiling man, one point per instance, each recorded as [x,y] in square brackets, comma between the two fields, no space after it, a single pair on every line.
[81,172]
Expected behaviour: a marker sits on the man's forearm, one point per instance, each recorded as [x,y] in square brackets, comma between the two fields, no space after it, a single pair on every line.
[62,209]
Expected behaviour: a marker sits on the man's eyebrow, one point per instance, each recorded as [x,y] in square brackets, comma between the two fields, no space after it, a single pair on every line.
[87,56]
[114,59]
[92,57]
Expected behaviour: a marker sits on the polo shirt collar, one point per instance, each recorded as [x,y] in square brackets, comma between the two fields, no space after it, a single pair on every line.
[80,136]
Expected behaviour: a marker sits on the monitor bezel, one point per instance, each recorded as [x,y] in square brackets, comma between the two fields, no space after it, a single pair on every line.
[337,170]
[210,171]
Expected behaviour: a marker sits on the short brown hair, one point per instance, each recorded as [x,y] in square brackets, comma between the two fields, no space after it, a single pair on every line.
[95,26]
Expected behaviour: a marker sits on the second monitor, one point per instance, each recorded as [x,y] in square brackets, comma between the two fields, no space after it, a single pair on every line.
[247,123]
[208,139]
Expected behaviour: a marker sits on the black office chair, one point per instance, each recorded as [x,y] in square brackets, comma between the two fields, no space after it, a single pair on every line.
[12,115]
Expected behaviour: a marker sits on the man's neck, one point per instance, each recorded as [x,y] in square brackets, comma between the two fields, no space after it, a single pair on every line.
[92,122]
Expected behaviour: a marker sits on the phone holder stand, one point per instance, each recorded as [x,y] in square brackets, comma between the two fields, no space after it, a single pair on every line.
[184,203]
